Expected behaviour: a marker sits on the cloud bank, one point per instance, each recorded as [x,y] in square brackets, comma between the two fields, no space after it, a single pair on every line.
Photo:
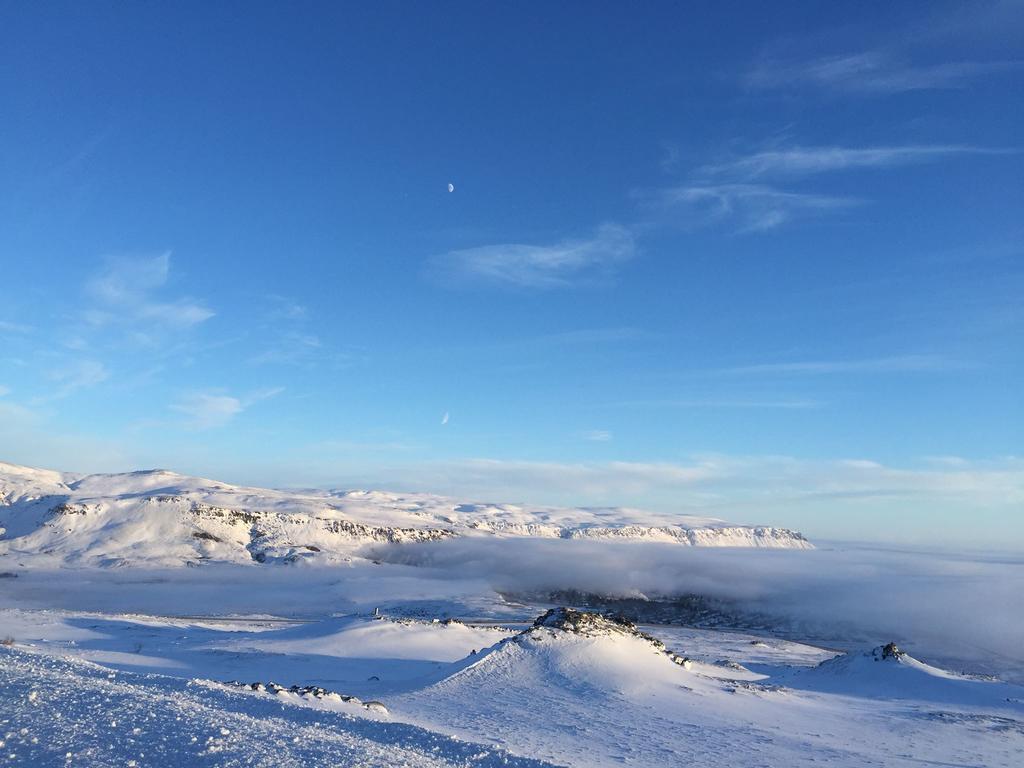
[972,502]
[943,606]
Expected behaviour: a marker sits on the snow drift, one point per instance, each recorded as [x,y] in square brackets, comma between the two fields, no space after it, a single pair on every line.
[890,673]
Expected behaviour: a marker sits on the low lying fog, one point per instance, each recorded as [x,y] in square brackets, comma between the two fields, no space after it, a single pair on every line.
[955,610]
[948,605]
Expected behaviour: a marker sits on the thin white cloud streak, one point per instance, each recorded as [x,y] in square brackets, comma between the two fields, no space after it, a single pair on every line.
[286,308]
[208,410]
[735,192]
[720,403]
[753,486]
[347,449]
[284,332]
[749,207]
[893,364]
[670,156]
[581,337]
[558,265]
[121,308]
[126,290]
[204,410]
[993,484]
[290,347]
[505,479]
[127,280]
[871,73]
[804,161]
[598,436]
[7,326]
[585,336]
[80,374]
[15,415]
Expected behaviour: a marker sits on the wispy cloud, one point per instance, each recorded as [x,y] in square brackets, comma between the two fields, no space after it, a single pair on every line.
[558,265]
[713,403]
[79,374]
[284,334]
[206,410]
[286,308]
[893,364]
[871,72]
[746,485]
[6,326]
[124,307]
[741,193]
[670,156]
[586,482]
[598,436]
[748,207]
[127,290]
[288,346]
[587,336]
[581,338]
[14,417]
[74,164]
[805,161]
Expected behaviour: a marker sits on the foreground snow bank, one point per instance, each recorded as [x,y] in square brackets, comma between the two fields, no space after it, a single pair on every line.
[55,710]
[572,688]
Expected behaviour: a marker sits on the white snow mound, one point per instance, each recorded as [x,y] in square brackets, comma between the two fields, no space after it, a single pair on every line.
[889,673]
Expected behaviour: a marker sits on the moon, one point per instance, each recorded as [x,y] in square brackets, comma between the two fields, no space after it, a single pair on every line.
[451,187]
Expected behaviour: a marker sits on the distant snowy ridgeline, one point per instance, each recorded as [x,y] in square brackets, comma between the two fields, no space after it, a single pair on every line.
[162,518]
[723,535]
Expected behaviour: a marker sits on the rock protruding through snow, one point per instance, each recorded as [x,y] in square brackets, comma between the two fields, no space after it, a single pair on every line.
[888,651]
[312,692]
[590,624]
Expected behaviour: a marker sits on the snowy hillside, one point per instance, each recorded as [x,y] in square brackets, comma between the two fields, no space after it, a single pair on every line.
[539,687]
[157,517]
[886,672]
[451,633]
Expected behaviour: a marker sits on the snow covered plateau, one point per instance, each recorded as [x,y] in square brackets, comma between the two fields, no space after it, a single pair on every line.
[152,619]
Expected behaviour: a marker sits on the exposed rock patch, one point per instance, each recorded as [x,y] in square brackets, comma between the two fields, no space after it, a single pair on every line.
[590,624]
[310,692]
[888,651]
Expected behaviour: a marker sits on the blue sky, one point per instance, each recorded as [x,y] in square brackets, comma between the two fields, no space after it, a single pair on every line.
[757,261]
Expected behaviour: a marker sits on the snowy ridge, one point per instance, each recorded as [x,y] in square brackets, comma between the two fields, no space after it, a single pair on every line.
[157,517]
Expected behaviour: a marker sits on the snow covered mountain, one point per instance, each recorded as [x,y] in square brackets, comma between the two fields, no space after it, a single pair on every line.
[156,517]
